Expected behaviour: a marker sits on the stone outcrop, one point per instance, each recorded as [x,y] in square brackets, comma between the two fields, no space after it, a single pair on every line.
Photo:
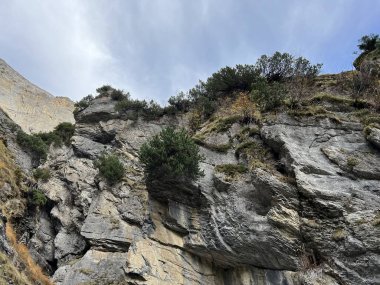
[312,218]
[339,200]
[308,214]
[373,136]
[32,108]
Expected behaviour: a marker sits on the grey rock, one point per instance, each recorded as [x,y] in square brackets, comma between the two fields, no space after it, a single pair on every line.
[4,246]
[330,199]
[101,109]
[361,162]
[100,132]
[95,266]
[32,108]
[221,185]
[218,139]
[374,136]
[8,133]
[354,246]
[104,228]
[41,245]
[68,243]
[84,147]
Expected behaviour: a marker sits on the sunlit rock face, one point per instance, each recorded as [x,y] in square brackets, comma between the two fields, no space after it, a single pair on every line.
[32,108]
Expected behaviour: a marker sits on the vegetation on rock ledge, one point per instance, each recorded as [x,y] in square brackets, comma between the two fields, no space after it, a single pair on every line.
[110,167]
[171,155]
[38,144]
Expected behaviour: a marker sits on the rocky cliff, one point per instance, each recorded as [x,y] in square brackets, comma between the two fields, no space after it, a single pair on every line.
[304,210]
[307,212]
[32,108]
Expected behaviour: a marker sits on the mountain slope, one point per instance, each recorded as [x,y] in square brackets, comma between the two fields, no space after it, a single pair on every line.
[32,108]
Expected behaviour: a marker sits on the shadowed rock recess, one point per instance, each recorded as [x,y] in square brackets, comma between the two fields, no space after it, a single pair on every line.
[307,214]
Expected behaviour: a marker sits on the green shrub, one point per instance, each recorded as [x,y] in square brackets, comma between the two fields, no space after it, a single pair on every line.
[38,144]
[318,112]
[33,144]
[225,81]
[195,120]
[38,197]
[180,102]
[65,131]
[282,66]
[61,135]
[198,91]
[50,138]
[148,110]
[205,106]
[110,167]
[230,79]
[84,102]
[152,111]
[104,91]
[170,110]
[352,162]
[369,43]
[171,155]
[130,104]
[42,174]
[276,67]
[117,94]
[268,96]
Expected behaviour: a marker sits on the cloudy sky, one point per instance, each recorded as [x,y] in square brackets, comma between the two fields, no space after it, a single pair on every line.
[155,48]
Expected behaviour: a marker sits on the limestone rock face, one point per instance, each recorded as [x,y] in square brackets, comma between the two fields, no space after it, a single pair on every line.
[8,134]
[32,108]
[310,218]
[374,136]
[335,194]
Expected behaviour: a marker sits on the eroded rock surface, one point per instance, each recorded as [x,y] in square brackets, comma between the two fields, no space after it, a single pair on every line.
[32,108]
[332,192]
[313,218]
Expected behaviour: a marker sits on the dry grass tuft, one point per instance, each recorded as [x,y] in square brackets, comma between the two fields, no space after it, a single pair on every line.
[339,234]
[33,270]
[9,274]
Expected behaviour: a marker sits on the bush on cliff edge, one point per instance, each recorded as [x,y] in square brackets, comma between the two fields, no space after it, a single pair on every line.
[171,156]
[110,167]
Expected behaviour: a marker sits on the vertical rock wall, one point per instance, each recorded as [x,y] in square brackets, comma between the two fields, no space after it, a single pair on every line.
[310,219]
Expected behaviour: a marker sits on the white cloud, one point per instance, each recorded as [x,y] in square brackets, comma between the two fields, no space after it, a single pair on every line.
[154,48]
[56,45]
